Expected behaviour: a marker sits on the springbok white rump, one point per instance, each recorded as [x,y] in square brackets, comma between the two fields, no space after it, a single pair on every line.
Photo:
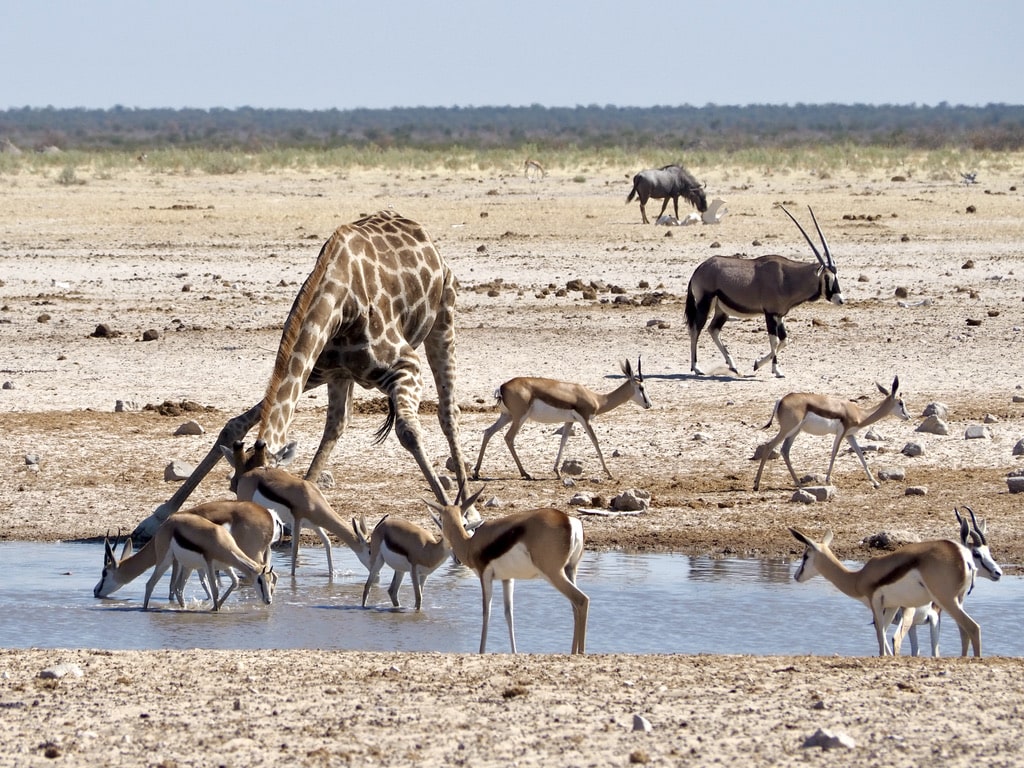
[939,571]
[299,502]
[826,415]
[550,401]
[406,547]
[768,286]
[253,528]
[524,545]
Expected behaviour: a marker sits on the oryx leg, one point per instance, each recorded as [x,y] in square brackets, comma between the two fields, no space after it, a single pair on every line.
[715,329]
[776,341]
[696,316]
[503,419]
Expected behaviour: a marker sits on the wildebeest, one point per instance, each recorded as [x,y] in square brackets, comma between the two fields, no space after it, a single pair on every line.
[670,182]
[768,285]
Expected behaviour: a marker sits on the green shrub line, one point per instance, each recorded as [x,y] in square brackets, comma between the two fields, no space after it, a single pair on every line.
[578,164]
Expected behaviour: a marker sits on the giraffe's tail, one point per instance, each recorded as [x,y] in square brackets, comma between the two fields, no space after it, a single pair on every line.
[389,422]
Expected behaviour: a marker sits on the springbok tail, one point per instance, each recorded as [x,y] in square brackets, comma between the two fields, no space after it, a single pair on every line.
[774,411]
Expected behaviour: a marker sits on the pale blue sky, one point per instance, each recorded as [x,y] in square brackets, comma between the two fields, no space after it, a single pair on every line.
[314,54]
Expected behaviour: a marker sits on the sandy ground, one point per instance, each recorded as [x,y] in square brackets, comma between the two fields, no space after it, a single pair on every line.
[212,264]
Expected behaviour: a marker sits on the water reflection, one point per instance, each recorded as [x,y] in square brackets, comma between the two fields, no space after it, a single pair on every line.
[640,603]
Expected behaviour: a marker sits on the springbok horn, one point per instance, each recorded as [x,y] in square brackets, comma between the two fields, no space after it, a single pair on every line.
[824,244]
[806,236]
[639,368]
[977,527]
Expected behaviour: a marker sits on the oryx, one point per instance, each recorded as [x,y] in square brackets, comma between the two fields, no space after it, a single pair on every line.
[768,285]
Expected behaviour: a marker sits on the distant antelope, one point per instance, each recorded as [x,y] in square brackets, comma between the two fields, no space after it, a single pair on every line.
[523,545]
[826,415]
[299,503]
[939,571]
[533,170]
[405,547]
[768,286]
[549,401]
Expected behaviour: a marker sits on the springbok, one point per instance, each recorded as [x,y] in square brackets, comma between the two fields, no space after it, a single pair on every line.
[252,527]
[768,285]
[826,415]
[939,571]
[199,544]
[406,547]
[985,565]
[669,183]
[550,401]
[300,504]
[525,545]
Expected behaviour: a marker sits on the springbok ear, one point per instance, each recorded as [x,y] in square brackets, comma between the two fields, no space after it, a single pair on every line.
[965,527]
[285,456]
[895,385]
[108,553]
[882,389]
[228,454]
[439,508]
[627,369]
[800,536]
[468,503]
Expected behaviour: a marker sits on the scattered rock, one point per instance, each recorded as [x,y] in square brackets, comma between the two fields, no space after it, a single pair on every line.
[8,385]
[933,425]
[913,449]
[1017,399]
[32,459]
[977,431]
[936,409]
[177,471]
[901,292]
[123,406]
[891,473]
[641,723]
[1015,484]
[759,452]
[60,671]
[802,496]
[890,540]
[191,427]
[829,740]
[581,499]
[1018,449]
[104,331]
[632,500]
[821,492]
[973,322]
[150,335]
[991,418]
[915,490]
[326,480]
[572,467]
[493,503]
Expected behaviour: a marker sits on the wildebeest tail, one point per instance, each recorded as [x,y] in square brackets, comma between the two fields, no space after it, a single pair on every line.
[632,193]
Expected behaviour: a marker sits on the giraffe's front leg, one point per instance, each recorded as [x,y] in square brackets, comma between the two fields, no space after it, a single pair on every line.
[339,409]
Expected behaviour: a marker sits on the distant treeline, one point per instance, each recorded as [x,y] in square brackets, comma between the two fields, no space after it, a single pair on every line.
[712,128]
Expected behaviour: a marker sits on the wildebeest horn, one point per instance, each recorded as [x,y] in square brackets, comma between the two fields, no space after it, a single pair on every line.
[808,238]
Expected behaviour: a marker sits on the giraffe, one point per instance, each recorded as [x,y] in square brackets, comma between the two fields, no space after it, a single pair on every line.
[378,290]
